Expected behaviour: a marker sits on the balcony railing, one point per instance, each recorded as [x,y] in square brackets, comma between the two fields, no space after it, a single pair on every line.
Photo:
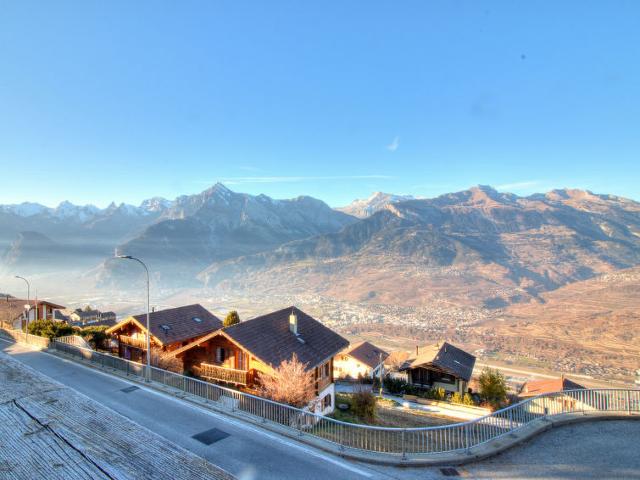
[222,374]
[133,342]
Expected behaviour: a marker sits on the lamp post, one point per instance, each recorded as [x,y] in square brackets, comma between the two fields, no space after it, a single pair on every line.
[148,370]
[28,309]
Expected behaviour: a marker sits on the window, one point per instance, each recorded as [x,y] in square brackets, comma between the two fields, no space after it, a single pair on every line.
[197,319]
[326,370]
[326,401]
[221,355]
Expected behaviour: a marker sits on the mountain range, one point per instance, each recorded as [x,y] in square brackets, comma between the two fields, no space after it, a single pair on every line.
[474,247]
[478,246]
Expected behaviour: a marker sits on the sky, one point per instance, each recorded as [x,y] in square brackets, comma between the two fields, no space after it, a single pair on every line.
[122,101]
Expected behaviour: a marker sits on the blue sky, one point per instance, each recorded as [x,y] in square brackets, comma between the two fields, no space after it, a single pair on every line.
[104,101]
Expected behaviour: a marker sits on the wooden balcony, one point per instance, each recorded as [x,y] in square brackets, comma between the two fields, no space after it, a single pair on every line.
[133,342]
[222,374]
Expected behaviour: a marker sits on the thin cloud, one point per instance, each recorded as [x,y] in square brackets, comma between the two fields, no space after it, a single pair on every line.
[292,179]
[393,146]
[519,185]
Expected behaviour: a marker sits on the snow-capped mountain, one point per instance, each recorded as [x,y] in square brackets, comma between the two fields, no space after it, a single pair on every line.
[363,208]
[218,224]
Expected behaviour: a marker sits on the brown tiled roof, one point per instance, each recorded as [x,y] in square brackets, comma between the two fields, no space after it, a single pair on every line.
[269,339]
[367,353]
[32,302]
[183,323]
[446,357]
[538,387]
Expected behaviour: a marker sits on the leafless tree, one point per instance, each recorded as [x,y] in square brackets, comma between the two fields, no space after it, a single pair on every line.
[290,383]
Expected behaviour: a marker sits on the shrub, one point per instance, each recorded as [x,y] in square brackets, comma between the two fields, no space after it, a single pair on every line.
[231,319]
[49,328]
[468,399]
[394,386]
[364,404]
[96,336]
[456,398]
[409,389]
[493,388]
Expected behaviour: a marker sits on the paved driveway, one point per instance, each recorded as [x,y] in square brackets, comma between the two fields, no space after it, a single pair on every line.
[593,450]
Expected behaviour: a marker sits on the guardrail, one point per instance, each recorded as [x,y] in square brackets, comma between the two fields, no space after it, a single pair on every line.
[76,340]
[399,442]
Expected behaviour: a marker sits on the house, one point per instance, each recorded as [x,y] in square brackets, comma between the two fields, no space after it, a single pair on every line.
[170,330]
[81,317]
[239,354]
[12,311]
[533,388]
[440,366]
[558,403]
[359,361]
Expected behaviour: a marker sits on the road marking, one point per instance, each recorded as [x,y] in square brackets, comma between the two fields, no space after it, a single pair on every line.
[220,416]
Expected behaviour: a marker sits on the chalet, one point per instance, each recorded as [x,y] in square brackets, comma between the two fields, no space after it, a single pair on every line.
[440,366]
[170,330]
[12,311]
[240,353]
[534,388]
[358,361]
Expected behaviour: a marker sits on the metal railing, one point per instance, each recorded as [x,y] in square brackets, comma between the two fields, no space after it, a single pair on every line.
[402,442]
[76,340]
[222,374]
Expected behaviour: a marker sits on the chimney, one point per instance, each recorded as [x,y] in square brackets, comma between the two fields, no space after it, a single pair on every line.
[417,350]
[293,323]
[153,309]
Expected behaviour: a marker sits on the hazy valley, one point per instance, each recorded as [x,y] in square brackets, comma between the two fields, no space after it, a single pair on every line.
[526,280]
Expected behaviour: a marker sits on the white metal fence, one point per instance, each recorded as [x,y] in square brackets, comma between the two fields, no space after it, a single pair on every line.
[398,441]
[75,340]
[402,442]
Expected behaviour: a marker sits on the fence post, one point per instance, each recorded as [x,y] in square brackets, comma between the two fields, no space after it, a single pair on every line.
[466,438]
[628,402]
[404,447]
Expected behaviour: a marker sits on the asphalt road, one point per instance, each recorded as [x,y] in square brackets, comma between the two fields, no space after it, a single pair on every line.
[242,449]
[592,450]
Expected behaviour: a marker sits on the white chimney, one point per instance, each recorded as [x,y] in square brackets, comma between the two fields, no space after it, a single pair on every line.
[293,323]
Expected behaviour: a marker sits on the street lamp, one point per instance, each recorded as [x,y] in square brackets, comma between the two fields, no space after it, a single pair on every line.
[129,257]
[28,308]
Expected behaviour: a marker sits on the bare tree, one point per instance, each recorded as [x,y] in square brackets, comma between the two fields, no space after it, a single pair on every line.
[290,383]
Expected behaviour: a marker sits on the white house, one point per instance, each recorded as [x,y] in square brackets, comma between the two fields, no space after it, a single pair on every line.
[362,360]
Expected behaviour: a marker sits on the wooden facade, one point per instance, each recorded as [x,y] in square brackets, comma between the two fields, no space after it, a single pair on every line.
[132,342]
[428,376]
[220,359]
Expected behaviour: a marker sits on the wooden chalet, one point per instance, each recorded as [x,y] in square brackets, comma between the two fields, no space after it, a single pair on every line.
[170,330]
[440,366]
[240,353]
